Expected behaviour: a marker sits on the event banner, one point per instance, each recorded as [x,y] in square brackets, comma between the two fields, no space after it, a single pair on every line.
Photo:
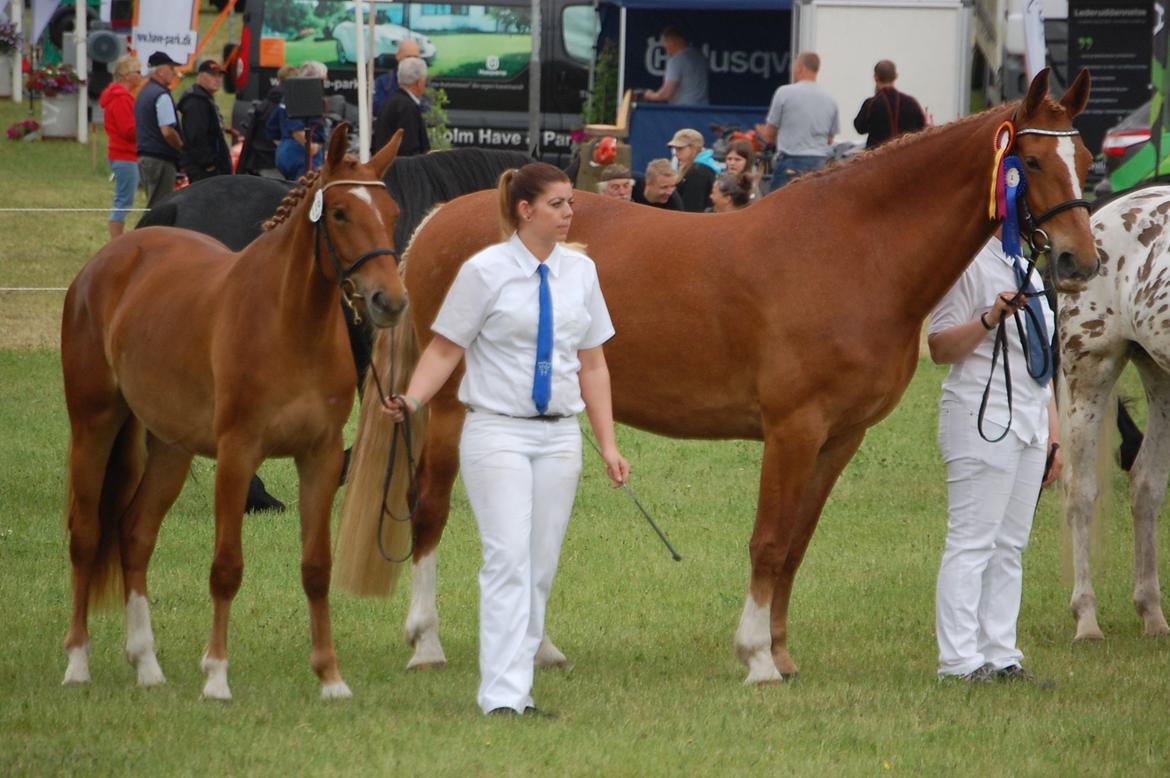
[478,53]
[747,52]
[1113,39]
[170,26]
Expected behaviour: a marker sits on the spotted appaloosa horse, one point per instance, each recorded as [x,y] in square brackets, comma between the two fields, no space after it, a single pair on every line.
[174,346]
[795,322]
[1123,316]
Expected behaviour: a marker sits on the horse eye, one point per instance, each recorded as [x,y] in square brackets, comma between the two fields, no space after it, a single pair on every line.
[1032,163]
[338,215]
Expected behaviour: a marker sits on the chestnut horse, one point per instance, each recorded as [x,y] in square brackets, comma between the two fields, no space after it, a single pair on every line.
[174,346]
[1120,318]
[795,321]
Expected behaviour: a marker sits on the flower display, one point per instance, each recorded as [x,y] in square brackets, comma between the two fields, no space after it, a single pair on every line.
[10,39]
[19,130]
[53,80]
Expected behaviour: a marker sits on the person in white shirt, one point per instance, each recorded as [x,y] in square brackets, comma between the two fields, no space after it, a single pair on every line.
[528,318]
[992,488]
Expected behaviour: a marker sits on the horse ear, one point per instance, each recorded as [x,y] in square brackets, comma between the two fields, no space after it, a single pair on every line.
[381,161]
[338,143]
[1036,94]
[1076,97]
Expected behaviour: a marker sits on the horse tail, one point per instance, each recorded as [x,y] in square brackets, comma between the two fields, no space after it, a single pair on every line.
[371,505]
[123,474]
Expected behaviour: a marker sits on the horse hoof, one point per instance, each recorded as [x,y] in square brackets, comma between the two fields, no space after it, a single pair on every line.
[416,663]
[764,676]
[149,673]
[549,656]
[1089,634]
[1157,629]
[77,671]
[259,499]
[216,687]
[335,691]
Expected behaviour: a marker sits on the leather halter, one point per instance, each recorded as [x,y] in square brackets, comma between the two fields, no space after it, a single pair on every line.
[1037,237]
[349,292]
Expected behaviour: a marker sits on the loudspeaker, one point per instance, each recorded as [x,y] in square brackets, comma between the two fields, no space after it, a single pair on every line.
[304,98]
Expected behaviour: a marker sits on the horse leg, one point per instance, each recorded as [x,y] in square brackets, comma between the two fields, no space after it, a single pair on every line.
[786,468]
[236,460]
[318,474]
[163,479]
[91,443]
[1089,390]
[1147,491]
[830,462]
[438,466]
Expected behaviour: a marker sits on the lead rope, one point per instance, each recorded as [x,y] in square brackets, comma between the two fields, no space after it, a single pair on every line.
[402,429]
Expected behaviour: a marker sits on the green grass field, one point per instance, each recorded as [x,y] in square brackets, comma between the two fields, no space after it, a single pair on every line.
[654,688]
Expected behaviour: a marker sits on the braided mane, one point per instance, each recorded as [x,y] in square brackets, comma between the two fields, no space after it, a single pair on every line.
[290,201]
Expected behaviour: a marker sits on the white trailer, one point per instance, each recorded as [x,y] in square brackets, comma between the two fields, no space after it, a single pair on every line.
[929,40]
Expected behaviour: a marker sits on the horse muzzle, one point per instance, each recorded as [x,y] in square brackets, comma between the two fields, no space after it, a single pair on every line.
[383,309]
[1072,272]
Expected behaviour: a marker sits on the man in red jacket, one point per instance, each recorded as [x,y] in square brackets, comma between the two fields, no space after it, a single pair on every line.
[117,102]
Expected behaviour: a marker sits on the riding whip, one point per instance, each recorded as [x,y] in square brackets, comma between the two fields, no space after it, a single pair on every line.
[633,496]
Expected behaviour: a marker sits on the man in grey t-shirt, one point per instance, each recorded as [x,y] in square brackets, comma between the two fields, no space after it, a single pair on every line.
[802,121]
[685,80]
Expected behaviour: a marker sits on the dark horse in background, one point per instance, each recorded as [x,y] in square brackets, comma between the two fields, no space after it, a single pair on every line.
[233,210]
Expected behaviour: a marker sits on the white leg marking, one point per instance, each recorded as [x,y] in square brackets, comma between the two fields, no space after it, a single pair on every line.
[78,669]
[216,687]
[140,641]
[753,643]
[422,620]
[1068,152]
[362,193]
[335,691]
[548,655]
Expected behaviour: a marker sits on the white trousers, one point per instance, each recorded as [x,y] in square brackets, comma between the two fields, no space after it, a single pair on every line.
[521,478]
[992,490]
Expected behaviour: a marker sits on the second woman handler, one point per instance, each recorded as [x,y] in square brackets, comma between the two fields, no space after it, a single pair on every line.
[528,318]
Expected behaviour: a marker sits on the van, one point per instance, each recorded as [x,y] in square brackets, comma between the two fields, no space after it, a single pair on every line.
[477,53]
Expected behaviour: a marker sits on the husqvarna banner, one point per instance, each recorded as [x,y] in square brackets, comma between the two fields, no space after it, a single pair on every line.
[166,25]
[747,52]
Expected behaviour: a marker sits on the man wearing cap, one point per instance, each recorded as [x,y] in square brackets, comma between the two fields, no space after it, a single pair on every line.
[205,151]
[402,111]
[697,169]
[616,182]
[156,130]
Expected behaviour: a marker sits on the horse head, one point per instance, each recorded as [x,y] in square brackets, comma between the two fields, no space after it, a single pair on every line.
[1055,160]
[355,216]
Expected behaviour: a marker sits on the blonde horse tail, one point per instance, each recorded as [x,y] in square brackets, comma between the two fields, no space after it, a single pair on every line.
[123,474]
[370,505]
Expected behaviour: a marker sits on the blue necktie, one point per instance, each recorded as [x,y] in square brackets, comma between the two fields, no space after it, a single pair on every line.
[542,380]
[1037,331]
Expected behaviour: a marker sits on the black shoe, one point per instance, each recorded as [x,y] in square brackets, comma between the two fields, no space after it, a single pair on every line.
[502,712]
[259,499]
[532,710]
[980,675]
[1016,673]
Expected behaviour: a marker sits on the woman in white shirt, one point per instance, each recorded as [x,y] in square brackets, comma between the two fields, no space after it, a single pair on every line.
[528,318]
[992,487]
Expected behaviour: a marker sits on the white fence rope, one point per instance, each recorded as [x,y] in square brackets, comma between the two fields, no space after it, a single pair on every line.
[71,210]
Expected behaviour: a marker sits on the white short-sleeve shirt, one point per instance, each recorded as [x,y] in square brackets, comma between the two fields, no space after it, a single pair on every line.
[164,109]
[492,310]
[974,293]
